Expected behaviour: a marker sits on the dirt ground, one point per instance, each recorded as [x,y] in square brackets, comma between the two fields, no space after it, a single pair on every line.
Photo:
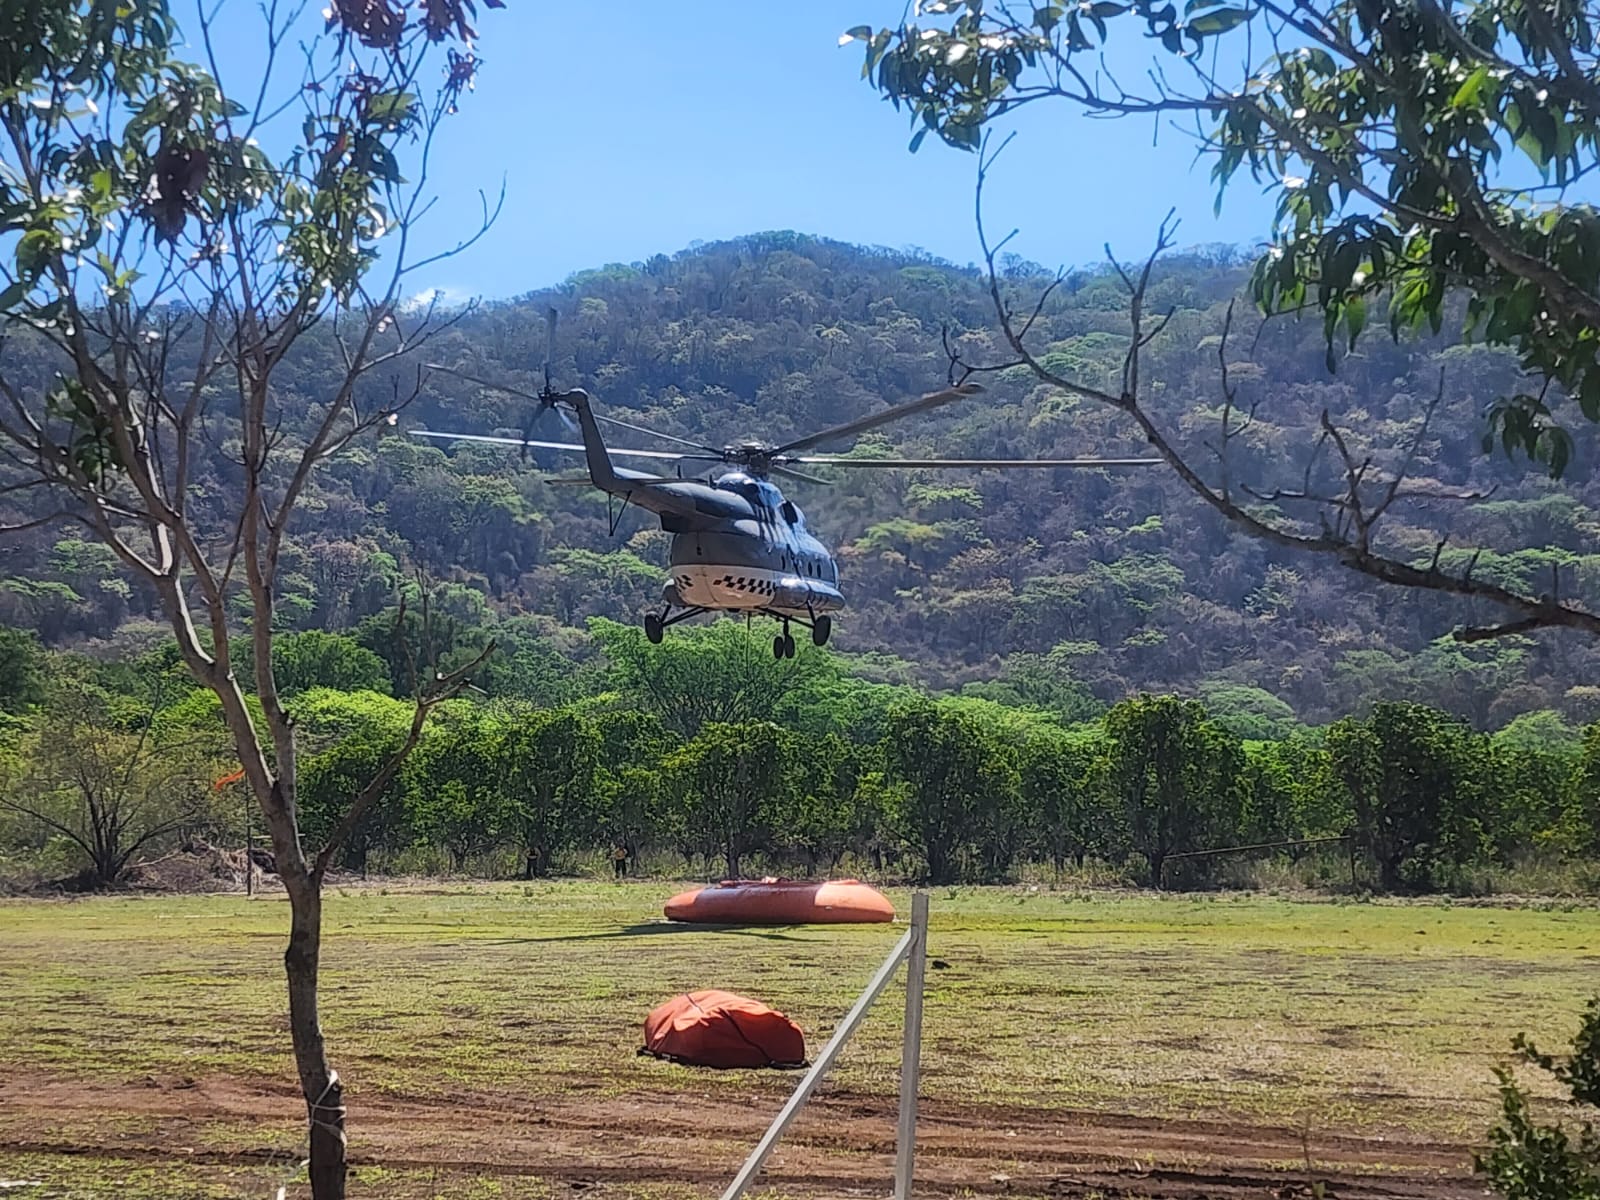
[842,1146]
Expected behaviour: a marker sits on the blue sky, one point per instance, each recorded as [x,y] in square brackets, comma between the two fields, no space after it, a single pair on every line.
[629,129]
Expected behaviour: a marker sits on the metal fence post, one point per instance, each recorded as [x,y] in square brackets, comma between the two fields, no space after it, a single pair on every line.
[801,1094]
[911,1049]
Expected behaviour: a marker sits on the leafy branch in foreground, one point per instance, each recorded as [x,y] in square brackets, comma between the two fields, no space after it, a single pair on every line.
[1528,1160]
[1348,485]
[1415,148]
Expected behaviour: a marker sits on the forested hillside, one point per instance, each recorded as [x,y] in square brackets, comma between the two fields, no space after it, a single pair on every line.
[1065,589]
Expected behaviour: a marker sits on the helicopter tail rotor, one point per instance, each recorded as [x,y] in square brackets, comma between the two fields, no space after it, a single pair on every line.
[551,316]
[547,397]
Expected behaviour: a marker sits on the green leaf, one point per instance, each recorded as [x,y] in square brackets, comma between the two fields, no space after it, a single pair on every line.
[916,139]
[1557,450]
[394,107]
[1471,88]
[966,136]
[1589,393]
[1219,21]
[856,33]
[384,165]
[34,251]
[14,293]
[1355,318]
[1105,8]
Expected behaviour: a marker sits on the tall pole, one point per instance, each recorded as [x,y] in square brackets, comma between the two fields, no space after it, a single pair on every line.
[911,1049]
[249,856]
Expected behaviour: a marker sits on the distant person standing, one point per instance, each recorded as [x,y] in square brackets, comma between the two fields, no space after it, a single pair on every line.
[619,860]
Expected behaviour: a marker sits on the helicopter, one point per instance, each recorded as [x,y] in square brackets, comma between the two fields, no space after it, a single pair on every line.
[738,544]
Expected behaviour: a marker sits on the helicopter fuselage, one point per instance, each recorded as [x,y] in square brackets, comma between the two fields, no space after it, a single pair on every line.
[737,544]
[763,559]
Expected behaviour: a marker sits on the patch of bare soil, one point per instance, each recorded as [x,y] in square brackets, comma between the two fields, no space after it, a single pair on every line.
[842,1145]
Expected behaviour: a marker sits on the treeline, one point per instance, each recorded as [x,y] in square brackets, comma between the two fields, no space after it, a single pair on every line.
[709,757]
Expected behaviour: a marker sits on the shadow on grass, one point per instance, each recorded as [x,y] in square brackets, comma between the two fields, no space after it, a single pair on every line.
[654,929]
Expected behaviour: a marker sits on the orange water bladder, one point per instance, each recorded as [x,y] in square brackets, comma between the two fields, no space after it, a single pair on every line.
[781,902]
[719,1029]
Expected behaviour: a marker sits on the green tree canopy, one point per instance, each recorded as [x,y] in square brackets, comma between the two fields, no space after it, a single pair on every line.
[21,670]
[1400,140]
[546,772]
[1414,778]
[958,777]
[1173,777]
[734,785]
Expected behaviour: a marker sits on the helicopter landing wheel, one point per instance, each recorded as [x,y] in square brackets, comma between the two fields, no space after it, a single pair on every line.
[653,628]
[783,644]
[821,629]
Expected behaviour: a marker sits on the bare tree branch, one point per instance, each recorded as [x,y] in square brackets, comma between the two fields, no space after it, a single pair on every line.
[1348,540]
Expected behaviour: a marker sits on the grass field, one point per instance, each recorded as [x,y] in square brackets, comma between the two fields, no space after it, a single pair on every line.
[487,1037]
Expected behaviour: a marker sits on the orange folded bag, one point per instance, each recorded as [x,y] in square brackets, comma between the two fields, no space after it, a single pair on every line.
[781,902]
[719,1029]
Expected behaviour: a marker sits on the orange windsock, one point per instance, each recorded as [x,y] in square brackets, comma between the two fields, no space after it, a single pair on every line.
[227,779]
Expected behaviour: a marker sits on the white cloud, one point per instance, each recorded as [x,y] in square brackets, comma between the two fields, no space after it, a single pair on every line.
[440,297]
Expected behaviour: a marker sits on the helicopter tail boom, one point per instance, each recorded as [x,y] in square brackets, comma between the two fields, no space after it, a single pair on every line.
[602,472]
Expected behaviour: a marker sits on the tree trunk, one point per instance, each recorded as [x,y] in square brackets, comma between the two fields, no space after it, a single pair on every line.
[319,1083]
[1158,859]
[938,865]
[105,868]
[1389,877]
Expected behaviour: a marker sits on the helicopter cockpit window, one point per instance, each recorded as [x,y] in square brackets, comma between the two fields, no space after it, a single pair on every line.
[791,514]
[748,488]
[771,497]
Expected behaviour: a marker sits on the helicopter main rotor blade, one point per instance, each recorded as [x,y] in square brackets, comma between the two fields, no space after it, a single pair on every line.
[873,420]
[638,478]
[604,420]
[669,455]
[791,473]
[487,383]
[656,433]
[973,464]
